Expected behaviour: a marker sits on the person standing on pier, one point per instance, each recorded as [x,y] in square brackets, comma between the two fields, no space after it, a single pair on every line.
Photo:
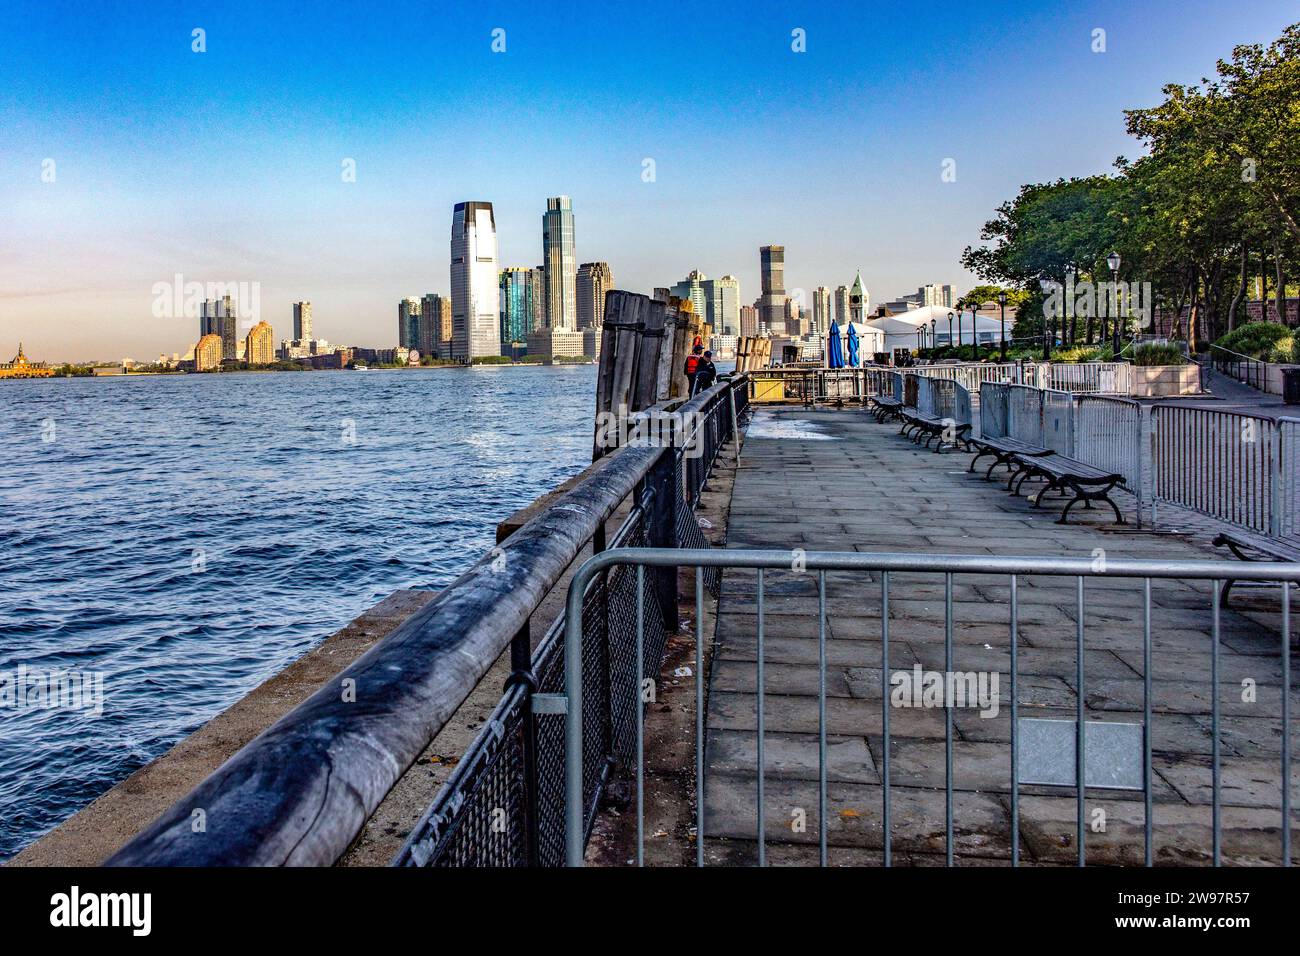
[706,373]
[693,368]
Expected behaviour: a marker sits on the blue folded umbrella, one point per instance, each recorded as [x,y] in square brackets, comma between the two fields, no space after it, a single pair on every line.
[834,350]
[854,362]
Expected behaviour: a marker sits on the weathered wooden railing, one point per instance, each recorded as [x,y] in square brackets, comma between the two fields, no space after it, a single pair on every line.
[300,792]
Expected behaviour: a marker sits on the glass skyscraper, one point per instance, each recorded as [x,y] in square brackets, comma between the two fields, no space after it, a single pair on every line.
[771,307]
[561,264]
[475,305]
[516,307]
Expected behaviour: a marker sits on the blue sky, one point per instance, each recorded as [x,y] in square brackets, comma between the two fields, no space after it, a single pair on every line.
[226,165]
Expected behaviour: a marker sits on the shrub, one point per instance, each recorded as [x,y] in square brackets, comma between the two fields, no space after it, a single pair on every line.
[1158,354]
[1257,339]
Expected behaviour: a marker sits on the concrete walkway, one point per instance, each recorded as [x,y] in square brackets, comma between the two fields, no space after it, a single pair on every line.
[837,481]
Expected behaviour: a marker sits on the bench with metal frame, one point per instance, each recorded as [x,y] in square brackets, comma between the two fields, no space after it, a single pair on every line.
[1067,475]
[886,407]
[927,428]
[1254,548]
[1003,451]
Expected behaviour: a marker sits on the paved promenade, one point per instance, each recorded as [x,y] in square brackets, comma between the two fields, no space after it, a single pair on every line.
[836,480]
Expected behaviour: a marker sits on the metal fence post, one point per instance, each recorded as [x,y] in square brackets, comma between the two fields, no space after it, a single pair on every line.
[661,529]
[1275,481]
[521,673]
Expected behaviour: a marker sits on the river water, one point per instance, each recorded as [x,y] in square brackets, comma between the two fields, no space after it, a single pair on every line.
[182,538]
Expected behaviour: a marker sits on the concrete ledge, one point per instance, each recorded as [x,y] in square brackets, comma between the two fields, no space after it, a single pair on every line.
[96,832]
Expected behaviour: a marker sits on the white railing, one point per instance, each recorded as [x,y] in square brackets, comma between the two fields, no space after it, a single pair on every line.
[1111,378]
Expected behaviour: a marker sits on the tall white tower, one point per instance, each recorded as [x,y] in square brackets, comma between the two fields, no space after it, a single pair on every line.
[475,293]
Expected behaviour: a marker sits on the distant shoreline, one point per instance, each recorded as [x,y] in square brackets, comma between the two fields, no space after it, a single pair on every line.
[271,371]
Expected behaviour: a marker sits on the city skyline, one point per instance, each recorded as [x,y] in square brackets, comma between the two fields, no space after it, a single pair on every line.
[110,185]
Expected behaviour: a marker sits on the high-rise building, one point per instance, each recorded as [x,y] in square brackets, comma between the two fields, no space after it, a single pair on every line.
[771,309]
[219,318]
[723,304]
[435,326]
[259,344]
[301,321]
[409,311]
[793,318]
[208,352]
[859,300]
[841,305]
[748,320]
[821,321]
[561,262]
[948,296]
[692,288]
[475,305]
[594,280]
[539,297]
[516,307]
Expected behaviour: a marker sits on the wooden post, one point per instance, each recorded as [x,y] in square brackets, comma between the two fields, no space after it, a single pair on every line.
[653,333]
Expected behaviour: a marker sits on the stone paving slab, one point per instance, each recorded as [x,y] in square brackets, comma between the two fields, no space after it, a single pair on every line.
[868,490]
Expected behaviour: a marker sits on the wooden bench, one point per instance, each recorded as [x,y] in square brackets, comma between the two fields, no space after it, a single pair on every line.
[1003,451]
[1088,484]
[1247,546]
[885,407]
[944,431]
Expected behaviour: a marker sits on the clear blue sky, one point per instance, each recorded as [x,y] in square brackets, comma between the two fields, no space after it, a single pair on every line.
[226,165]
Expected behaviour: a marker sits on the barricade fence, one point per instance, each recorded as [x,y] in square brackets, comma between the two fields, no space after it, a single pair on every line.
[1064,753]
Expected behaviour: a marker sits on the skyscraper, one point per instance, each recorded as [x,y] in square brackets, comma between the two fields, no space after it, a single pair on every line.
[218,318]
[841,305]
[723,298]
[561,264]
[408,323]
[748,320]
[538,280]
[301,321]
[692,288]
[435,326]
[821,310]
[594,280]
[516,307]
[475,304]
[771,309]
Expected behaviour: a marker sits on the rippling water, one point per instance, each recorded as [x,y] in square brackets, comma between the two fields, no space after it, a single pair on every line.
[189,535]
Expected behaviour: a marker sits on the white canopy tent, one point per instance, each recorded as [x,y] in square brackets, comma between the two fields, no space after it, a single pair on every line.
[900,330]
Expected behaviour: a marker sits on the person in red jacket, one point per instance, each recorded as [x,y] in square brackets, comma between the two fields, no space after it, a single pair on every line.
[693,368]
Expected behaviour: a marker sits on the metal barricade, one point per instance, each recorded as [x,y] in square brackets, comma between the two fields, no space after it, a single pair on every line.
[1074,757]
[994,400]
[1058,422]
[1220,464]
[1025,414]
[1108,435]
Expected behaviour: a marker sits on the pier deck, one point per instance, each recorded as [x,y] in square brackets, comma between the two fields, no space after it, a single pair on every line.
[857,485]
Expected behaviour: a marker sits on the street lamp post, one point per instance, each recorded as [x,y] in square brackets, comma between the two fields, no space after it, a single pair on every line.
[932,337]
[949,330]
[1113,261]
[1049,328]
[1002,307]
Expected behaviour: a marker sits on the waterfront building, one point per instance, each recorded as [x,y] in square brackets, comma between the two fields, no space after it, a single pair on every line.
[594,280]
[435,326]
[561,264]
[409,311]
[551,342]
[821,320]
[22,367]
[771,309]
[259,344]
[301,321]
[218,317]
[748,320]
[475,305]
[516,293]
[208,353]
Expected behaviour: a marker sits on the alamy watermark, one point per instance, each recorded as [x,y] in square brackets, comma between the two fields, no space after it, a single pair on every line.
[26,688]
[931,689]
[652,429]
[1096,299]
[177,299]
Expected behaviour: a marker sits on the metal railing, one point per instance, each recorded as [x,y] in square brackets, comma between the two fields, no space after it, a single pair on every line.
[1123,751]
[1085,377]
[301,792]
[1221,464]
[1245,369]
